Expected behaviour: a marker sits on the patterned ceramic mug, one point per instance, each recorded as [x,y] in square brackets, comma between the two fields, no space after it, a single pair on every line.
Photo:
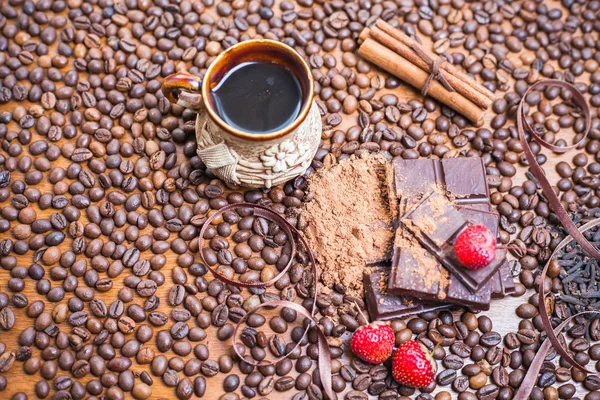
[249,159]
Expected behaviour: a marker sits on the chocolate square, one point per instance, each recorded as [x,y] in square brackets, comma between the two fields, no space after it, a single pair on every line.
[436,224]
[464,179]
[415,272]
[383,306]
[435,220]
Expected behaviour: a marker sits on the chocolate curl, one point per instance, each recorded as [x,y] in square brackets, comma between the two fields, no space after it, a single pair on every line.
[324,361]
[552,334]
[574,233]
[536,169]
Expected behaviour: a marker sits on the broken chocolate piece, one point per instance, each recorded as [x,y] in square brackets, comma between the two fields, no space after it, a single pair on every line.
[502,282]
[508,283]
[382,306]
[416,273]
[436,224]
[497,287]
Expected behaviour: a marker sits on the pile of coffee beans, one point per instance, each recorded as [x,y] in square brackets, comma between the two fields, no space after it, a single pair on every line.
[102,196]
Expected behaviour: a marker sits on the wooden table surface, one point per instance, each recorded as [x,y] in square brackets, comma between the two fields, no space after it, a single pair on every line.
[502,311]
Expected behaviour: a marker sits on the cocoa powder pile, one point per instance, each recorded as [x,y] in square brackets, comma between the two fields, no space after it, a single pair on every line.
[349,220]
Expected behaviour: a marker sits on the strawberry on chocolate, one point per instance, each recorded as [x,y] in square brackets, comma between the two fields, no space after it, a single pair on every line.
[413,365]
[373,343]
[475,247]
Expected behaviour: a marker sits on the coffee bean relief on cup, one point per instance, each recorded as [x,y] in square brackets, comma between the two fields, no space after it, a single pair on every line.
[258,97]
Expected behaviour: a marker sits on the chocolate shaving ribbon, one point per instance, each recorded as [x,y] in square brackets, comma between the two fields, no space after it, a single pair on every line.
[324,360]
[435,63]
[574,233]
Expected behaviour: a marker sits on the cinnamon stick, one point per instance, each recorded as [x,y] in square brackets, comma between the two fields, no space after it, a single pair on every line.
[395,64]
[407,41]
[461,85]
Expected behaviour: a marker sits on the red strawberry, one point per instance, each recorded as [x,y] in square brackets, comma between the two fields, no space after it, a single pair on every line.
[475,247]
[373,343]
[413,365]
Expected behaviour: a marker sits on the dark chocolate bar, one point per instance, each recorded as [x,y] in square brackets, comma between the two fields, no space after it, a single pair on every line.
[503,283]
[382,306]
[416,273]
[436,224]
[464,181]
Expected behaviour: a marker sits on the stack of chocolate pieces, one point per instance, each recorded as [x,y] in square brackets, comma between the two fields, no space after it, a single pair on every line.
[433,202]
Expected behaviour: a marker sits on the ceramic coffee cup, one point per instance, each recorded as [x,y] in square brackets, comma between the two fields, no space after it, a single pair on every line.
[249,159]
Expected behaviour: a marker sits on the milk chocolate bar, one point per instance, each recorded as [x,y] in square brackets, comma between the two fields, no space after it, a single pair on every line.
[383,306]
[436,224]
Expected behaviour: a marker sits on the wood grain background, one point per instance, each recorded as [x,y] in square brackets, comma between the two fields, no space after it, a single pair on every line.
[502,311]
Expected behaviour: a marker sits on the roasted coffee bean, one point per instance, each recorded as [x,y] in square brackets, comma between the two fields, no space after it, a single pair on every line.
[7,318]
[231,383]
[209,368]
[220,315]
[348,373]
[361,382]
[526,311]
[378,373]
[511,341]
[460,349]
[500,376]
[460,384]
[284,384]
[488,392]
[546,379]
[592,382]
[176,295]
[356,395]
[452,361]
[446,377]
[266,386]
[7,360]
[490,339]
[526,336]
[566,391]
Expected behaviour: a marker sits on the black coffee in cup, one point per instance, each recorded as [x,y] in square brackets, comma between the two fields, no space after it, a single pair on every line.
[258,97]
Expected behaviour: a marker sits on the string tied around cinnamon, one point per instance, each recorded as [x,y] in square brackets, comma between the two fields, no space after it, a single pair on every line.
[435,63]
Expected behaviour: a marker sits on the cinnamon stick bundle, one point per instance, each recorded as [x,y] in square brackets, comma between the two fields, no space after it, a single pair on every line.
[400,55]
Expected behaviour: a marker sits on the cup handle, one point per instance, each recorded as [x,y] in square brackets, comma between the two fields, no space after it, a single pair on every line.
[177,87]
